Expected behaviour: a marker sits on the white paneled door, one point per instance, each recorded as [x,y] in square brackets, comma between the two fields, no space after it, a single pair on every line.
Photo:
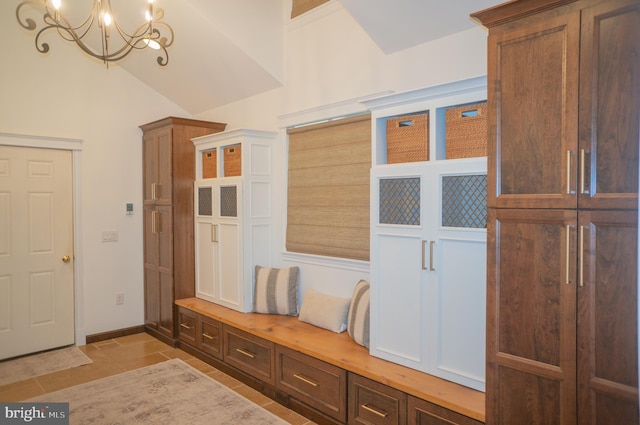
[36,250]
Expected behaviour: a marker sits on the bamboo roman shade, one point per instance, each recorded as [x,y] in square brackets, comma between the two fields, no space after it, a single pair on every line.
[298,7]
[328,197]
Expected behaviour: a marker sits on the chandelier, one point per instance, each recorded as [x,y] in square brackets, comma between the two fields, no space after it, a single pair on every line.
[113,43]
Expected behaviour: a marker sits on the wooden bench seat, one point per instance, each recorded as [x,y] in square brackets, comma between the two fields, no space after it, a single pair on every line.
[339,350]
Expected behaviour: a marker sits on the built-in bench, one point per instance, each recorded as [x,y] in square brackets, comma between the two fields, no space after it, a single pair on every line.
[239,340]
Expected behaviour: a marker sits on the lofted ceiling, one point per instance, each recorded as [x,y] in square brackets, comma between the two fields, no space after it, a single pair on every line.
[225,51]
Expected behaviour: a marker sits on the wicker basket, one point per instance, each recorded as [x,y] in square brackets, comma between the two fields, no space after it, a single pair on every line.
[408,138]
[466,129]
[232,164]
[209,164]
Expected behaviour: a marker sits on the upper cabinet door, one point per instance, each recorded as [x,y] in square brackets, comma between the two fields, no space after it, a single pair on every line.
[609,105]
[158,166]
[533,98]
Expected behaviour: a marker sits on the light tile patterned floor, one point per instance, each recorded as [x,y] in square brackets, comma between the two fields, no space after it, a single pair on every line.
[126,353]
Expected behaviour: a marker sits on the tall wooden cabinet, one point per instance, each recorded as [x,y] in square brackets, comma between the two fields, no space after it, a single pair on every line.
[168,175]
[564,109]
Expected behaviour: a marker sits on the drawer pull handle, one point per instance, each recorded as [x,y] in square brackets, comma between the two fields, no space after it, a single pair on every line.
[303,379]
[184,325]
[246,353]
[374,411]
[206,335]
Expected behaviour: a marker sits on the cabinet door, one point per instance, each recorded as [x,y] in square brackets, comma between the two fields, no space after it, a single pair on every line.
[158,266]
[399,275]
[609,106]
[607,318]
[206,246]
[457,220]
[157,176]
[229,272]
[533,98]
[531,317]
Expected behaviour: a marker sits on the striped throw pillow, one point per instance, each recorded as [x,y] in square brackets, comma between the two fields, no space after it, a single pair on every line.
[358,324]
[276,291]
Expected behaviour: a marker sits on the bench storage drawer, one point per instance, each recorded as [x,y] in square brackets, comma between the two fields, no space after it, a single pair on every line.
[373,403]
[314,382]
[249,353]
[187,325]
[210,334]
[422,412]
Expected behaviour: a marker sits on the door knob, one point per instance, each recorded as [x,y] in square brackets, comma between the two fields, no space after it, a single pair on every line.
[66,259]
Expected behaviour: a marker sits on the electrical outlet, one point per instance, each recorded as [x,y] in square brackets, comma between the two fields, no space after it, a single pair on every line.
[119,299]
[109,236]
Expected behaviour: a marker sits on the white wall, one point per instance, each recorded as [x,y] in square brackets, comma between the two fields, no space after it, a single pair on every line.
[66,94]
[330,60]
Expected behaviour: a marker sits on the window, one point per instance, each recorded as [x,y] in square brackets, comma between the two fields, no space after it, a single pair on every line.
[328,194]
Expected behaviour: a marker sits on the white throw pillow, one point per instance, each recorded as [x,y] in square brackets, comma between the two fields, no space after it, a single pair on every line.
[324,311]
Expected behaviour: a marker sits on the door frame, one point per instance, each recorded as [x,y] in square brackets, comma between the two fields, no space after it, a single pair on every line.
[75,146]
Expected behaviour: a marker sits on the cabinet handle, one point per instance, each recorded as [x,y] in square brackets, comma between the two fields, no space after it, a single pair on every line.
[424,252]
[582,170]
[568,256]
[581,247]
[374,411]
[154,221]
[154,191]
[214,233]
[246,353]
[305,380]
[569,155]
[431,267]
[207,336]
[184,325]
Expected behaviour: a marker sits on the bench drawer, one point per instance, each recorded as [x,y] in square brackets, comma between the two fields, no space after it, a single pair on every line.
[249,353]
[422,412]
[312,381]
[210,333]
[371,402]
[187,325]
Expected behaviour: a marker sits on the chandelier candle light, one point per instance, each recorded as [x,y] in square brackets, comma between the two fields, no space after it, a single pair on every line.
[147,34]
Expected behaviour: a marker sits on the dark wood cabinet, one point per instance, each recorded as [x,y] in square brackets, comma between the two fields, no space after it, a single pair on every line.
[168,176]
[564,118]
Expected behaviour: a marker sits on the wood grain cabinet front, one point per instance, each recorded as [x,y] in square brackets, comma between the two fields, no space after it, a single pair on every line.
[373,403]
[187,320]
[314,382]
[249,353]
[210,336]
[422,412]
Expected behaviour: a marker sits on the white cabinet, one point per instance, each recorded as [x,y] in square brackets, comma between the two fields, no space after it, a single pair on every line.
[428,245]
[233,214]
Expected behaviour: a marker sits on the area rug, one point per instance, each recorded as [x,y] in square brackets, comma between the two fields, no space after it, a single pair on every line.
[171,392]
[28,367]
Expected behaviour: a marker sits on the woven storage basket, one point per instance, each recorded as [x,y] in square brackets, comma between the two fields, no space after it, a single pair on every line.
[209,164]
[466,129]
[232,165]
[408,138]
